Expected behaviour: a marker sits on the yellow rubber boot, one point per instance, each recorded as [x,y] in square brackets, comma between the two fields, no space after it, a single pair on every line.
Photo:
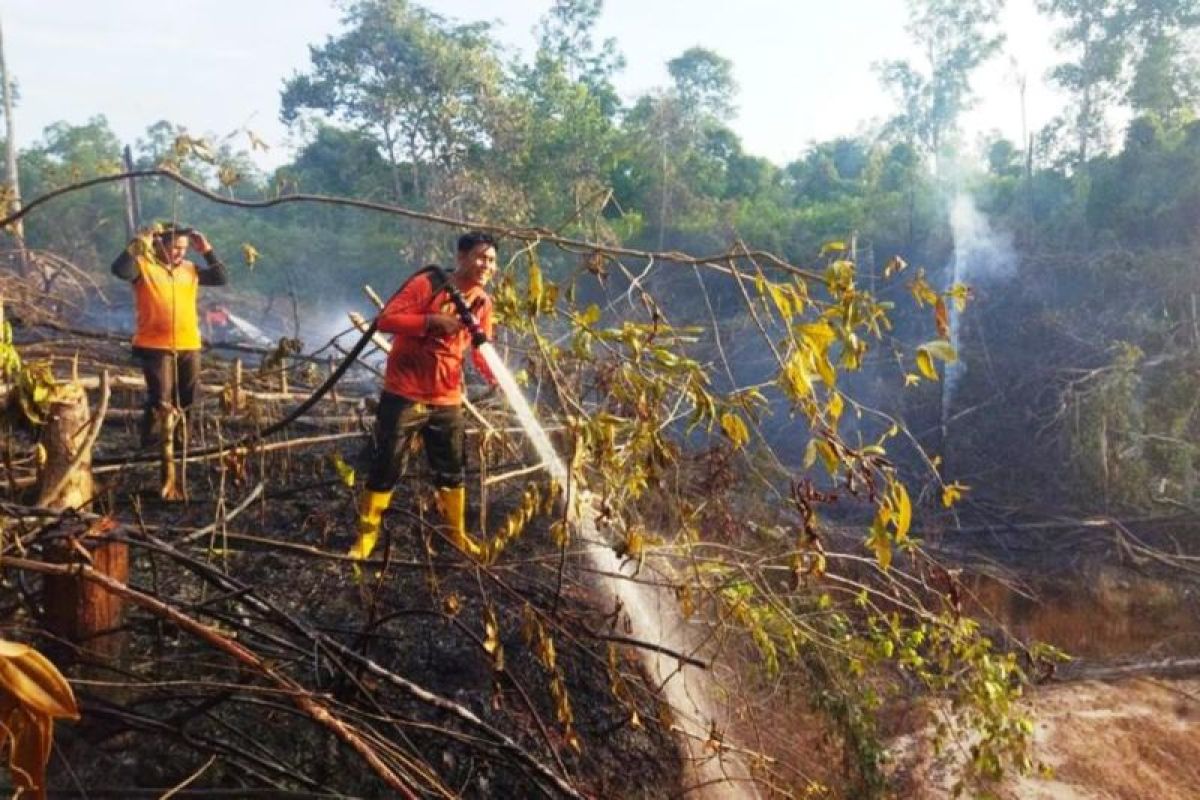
[370,520]
[453,505]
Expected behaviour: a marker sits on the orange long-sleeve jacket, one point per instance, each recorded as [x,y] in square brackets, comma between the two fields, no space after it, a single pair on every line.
[423,367]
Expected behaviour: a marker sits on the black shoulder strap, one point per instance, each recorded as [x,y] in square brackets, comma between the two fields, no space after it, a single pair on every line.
[437,276]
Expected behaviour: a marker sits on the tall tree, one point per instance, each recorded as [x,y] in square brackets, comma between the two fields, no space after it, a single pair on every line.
[704,84]
[556,141]
[10,149]
[1093,34]
[1163,72]
[955,38]
[566,37]
[418,83]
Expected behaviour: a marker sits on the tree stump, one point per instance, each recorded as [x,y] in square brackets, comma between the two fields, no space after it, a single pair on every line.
[78,610]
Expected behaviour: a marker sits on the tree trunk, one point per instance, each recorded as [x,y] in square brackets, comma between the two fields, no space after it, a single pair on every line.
[10,147]
[80,611]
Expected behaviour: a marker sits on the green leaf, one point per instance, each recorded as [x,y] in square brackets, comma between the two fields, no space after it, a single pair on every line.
[943,351]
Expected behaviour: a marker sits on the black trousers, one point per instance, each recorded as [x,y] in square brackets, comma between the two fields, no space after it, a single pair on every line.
[171,380]
[399,419]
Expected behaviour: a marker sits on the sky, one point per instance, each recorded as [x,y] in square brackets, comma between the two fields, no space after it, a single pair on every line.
[804,67]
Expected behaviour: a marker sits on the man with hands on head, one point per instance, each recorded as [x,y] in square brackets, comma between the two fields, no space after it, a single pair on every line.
[166,339]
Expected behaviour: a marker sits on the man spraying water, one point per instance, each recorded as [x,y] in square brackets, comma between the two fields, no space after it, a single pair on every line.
[433,319]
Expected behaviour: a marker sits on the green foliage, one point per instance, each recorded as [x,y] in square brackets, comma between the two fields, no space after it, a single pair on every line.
[638,384]
[425,98]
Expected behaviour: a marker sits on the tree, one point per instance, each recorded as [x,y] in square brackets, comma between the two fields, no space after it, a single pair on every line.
[421,85]
[956,37]
[556,142]
[674,144]
[1093,34]
[12,176]
[1164,76]
[704,84]
[81,227]
[566,38]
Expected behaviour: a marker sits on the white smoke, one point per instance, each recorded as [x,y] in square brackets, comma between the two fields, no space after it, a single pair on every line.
[981,256]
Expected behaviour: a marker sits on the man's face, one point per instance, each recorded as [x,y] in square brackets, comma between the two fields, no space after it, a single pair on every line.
[478,265]
[173,250]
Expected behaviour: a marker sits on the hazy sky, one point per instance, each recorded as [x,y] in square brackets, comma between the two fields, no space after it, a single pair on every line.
[803,66]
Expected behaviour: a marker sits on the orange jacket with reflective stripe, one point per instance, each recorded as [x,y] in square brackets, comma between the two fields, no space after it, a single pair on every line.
[165,299]
[425,368]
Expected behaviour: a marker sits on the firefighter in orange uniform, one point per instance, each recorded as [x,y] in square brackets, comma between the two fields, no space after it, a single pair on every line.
[166,340]
[423,389]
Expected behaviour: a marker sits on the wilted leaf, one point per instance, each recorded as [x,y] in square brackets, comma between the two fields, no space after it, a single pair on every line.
[33,693]
[941,318]
[249,254]
[228,175]
[895,265]
[257,143]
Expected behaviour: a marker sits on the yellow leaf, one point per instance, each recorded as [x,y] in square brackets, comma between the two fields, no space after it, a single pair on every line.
[952,493]
[796,377]
[903,511]
[734,428]
[591,315]
[828,456]
[833,247]
[536,287]
[345,471]
[836,406]
[810,453]
[825,370]
[783,301]
[925,364]
[911,379]
[879,542]
[820,335]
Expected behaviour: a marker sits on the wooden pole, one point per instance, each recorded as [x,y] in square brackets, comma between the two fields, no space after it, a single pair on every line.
[77,610]
[132,212]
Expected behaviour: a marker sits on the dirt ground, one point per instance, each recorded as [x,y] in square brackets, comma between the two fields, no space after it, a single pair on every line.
[1133,739]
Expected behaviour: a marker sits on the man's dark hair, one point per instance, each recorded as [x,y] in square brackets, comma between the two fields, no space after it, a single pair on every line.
[169,231]
[469,241]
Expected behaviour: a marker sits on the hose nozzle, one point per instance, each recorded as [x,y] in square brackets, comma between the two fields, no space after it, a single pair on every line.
[466,315]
